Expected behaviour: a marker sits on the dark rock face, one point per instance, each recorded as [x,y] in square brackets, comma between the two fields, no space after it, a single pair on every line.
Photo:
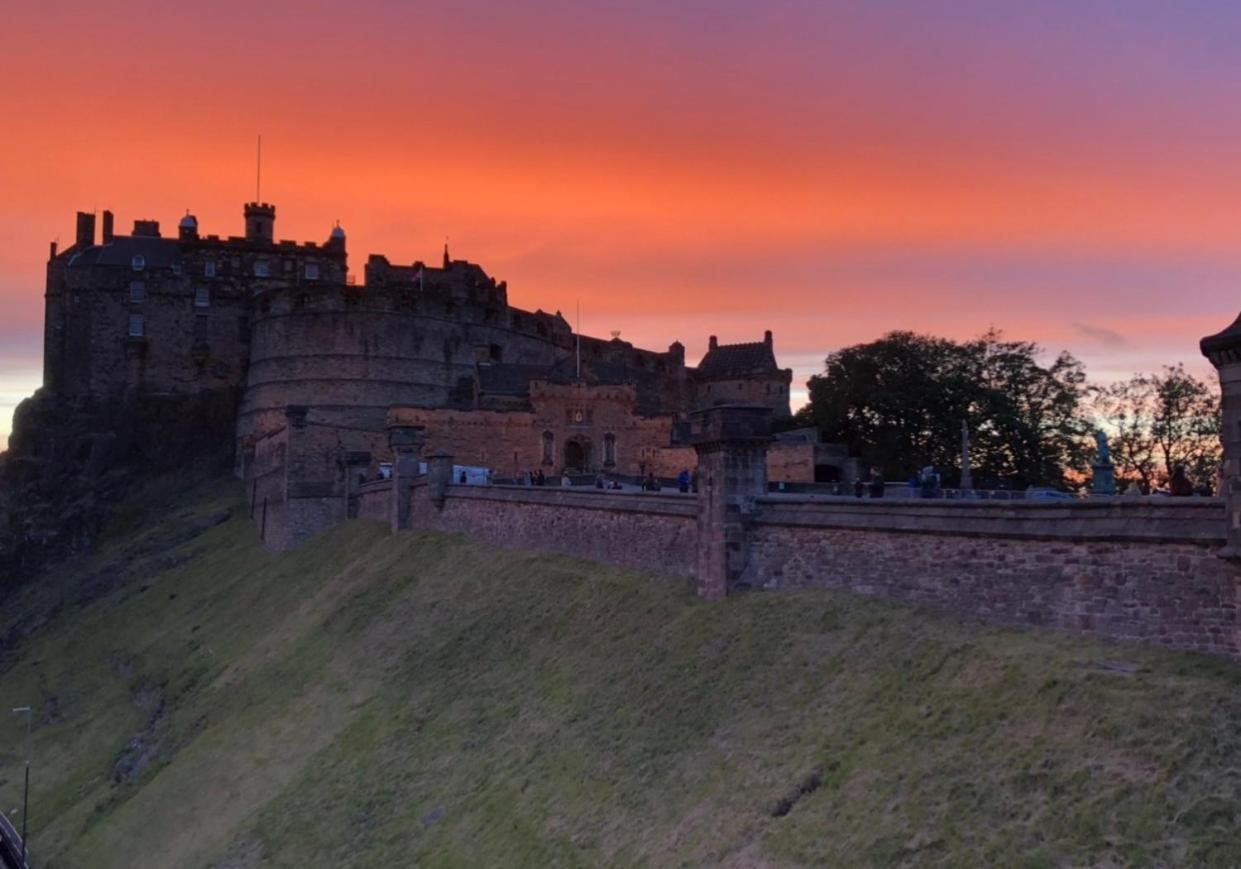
[71,459]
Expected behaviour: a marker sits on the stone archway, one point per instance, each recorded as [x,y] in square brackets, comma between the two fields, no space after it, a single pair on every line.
[577,454]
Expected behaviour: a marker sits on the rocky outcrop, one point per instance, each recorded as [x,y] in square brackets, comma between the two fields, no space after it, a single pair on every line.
[69,460]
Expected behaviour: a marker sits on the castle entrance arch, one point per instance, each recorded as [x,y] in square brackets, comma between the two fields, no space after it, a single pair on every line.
[577,454]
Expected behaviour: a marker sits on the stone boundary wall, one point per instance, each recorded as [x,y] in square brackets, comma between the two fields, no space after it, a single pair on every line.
[655,533]
[375,500]
[1145,570]
[1150,519]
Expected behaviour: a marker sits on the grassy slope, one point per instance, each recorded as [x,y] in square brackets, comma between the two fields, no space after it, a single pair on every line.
[382,701]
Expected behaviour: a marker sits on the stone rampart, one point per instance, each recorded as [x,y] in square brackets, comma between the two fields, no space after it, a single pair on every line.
[655,533]
[375,500]
[1143,570]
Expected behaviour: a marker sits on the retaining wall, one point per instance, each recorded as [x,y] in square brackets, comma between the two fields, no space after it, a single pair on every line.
[1128,569]
[655,533]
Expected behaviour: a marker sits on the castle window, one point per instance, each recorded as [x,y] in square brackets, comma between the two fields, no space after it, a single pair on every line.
[549,447]
[312,271]
[260,268]
[609,450]
[139,262]
[209,269]
[137,326]
[137,291]
[202,297]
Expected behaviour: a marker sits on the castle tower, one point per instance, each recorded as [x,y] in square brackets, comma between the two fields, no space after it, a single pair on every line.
[187,229]
[336,238]
[260,222]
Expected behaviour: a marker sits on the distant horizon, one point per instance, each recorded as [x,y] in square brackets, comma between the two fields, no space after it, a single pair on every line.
[1064,173]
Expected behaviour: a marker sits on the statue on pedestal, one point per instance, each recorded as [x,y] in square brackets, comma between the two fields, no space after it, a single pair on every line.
[1104,482]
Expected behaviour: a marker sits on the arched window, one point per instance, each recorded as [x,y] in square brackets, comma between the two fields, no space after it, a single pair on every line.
[549,448]
[609,450]
[139,262]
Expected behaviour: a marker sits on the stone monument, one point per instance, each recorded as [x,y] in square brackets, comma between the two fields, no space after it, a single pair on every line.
[1104,482]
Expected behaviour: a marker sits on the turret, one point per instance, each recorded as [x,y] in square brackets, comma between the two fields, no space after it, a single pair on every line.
[676,352]
[187,229]
[336,238]
[260,222]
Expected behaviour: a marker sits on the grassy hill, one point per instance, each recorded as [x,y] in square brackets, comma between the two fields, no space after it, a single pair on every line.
[372,700]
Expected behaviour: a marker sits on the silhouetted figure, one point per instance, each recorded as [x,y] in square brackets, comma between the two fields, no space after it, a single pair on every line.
[1179,484]
[876,483]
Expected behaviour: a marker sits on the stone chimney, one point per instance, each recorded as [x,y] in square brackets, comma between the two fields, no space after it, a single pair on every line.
[85,236]
[107,227]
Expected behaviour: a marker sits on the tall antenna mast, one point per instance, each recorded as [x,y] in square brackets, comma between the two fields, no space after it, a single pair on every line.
[579,339]
[258,173]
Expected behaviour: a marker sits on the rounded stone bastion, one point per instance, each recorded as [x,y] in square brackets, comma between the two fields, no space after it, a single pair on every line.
[348,353]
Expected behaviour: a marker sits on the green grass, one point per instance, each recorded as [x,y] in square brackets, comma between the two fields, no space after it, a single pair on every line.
[371,700]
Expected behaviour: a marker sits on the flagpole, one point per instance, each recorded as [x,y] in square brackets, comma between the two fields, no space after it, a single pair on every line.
[579,339]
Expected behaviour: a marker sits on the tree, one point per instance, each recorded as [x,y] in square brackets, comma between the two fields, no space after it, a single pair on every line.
[899,402]
[1159,421]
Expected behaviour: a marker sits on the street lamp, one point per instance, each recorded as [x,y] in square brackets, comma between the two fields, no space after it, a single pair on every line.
[26,795]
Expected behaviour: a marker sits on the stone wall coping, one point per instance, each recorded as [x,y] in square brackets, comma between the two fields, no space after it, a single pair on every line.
[374,486]
[559,496]
[1181,520]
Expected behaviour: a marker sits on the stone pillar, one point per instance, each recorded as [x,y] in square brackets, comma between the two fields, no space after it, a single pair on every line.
[1224,351]
[356,462]
[439,476]
[731,443]
[406,442]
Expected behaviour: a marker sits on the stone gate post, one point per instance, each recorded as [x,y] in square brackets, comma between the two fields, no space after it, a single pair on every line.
[439,476]
[406,442]
[731,443]
[1224,351]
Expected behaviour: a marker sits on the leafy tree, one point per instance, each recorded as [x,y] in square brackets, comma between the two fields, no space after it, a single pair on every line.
[900,401]
[1159,421]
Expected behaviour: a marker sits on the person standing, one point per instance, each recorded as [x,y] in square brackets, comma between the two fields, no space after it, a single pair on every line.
[683,480]
[876,483]
[1179,484]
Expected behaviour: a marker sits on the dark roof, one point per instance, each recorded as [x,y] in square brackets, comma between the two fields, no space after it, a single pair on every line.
[730,360]
[1224,347]
[157,252]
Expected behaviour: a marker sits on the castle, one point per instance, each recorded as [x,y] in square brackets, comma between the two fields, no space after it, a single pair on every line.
[426,368]
[436,346]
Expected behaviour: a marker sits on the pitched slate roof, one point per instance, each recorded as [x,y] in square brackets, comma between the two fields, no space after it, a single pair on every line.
[157,252]
[731,360]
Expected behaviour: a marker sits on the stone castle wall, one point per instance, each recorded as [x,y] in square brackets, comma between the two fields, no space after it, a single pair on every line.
[655,533]
[1129,570]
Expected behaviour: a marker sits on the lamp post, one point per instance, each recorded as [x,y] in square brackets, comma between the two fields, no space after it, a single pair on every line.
[26,795]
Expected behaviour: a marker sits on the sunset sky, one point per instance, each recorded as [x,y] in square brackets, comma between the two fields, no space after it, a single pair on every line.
[1067,171]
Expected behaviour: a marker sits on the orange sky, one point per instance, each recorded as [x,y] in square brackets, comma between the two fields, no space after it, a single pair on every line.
[1066,173]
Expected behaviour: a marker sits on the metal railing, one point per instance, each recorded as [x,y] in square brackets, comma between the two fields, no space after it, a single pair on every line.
[11,846]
